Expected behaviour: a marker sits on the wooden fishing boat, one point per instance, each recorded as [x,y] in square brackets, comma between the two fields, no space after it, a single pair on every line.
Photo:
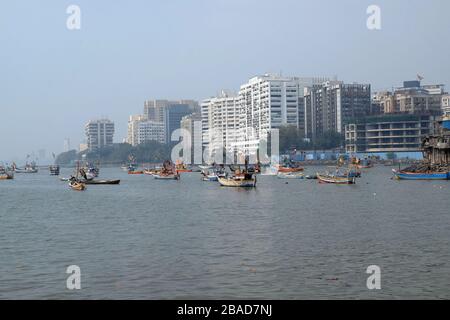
[6,176]
[27,169]
[151,172]
[181,167]
[163,176]
[328,178]
[244,181]
[136,172]
[77,186]
[100,182]
[405,175]
[6,173]
[290,169]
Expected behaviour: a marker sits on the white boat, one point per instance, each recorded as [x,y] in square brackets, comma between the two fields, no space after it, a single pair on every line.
[291,175]
[167,176]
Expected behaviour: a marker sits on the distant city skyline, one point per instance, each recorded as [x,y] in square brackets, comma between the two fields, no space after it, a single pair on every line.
[54,80]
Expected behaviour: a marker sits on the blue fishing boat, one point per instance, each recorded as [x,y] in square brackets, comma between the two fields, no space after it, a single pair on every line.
[403,175]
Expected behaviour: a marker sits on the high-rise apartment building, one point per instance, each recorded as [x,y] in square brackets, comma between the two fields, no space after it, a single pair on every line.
[446,104]
[412,98]
[150,131]
[330,105]
[192,124]
[99,133]
[221,122]
[268,102]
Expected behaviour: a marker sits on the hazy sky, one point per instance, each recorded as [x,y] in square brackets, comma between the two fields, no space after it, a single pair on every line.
[53,80]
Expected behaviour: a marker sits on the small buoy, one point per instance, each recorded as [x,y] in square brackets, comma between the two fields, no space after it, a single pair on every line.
[374,194]
[287,182]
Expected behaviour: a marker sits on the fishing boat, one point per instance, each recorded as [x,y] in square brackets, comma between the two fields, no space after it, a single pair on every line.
[181,167]
[436,156]
[167,172]
[210,177]
[362,163]
[162,176]
[29,168]
[6,173]
[214,175]
[77,186]
[291,175]
[336,179]
[100,182]
[136,172]
[287,169]
[240,181]
[54,170]
[405,175]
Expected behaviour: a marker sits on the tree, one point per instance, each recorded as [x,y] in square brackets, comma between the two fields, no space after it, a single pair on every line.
[66,158]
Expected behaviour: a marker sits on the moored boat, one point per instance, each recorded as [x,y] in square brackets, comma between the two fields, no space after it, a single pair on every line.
[29,168]
[136,172]
[286,169]
[291,175]
[6,176]
[100,182]
[329,178]
[6,173]
[405,175]
[163,176]
[240,181]
[54,170]
[167,172]
[76,185]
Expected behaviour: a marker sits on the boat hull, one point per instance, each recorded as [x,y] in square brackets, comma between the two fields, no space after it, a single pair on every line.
[26,171]
[135,172]
[289,170]
[77,186]
[290,176]
[166,177]
[335,180]
[399,175]
[238,183]
[101,182]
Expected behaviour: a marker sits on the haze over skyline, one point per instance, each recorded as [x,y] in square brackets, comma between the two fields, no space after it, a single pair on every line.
[54,80]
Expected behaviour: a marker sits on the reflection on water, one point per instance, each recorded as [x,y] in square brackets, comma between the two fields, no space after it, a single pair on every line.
[191,239]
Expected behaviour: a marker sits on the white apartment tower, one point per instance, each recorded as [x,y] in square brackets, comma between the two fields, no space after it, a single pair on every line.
[220,122]
[268,102]
[99,133]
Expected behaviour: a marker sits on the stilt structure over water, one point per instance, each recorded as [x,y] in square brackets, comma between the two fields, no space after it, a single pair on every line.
[436,154]
[436,148]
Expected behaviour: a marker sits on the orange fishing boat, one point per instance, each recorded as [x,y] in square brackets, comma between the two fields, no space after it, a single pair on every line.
[135,172]
[181,167]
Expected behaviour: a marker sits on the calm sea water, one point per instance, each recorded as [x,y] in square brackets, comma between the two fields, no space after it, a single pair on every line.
[150,239]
